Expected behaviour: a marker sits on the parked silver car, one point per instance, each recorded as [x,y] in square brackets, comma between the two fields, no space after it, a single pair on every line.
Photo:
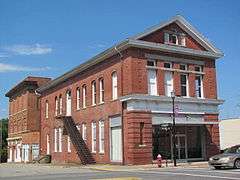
[229,158]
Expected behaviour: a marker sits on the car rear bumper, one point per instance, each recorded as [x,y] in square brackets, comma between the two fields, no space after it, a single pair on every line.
[221,164]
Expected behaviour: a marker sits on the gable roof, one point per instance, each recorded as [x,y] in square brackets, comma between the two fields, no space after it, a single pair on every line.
[134,41]
[187,27]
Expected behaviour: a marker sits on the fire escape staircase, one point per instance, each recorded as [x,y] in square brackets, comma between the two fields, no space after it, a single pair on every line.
[83,152]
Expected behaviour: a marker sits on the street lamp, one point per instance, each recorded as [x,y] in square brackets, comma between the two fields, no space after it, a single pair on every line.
[173,128]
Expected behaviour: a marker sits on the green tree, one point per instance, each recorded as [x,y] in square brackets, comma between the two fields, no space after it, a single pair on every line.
[3,139]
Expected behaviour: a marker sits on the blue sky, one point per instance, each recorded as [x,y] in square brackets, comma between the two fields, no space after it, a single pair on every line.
[49,37]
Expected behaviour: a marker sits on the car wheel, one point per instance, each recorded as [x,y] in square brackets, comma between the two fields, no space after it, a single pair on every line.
[237,163]
[217,167]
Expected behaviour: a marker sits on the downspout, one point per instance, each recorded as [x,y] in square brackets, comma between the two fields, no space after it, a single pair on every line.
[40,120]
[121,60]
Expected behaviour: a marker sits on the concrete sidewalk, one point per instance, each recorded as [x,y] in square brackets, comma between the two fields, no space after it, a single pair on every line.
[109,167]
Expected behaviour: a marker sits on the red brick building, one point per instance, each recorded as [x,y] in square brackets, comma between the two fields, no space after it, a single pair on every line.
[24,120]
[116,107]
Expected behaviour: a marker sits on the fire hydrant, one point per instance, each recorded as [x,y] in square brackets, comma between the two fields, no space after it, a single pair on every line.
[159,160]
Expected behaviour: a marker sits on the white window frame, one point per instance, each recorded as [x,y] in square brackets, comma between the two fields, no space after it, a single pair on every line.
[84,91]
[201,87]
[166,85]
[84,131]
[94,137]
[114,86]
[68,144]
[187,85]
[152,83]
[56,106]
[101,137]
[185,65]
[101,90]
[94,93]
[60,105]
[48,144]
[46,109]
[55,140]
[78,98]
[60,139]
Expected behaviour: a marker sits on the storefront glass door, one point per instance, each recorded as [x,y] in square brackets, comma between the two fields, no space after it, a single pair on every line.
[181,146]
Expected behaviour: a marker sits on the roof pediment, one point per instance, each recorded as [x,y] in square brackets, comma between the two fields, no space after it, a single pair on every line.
[183,24]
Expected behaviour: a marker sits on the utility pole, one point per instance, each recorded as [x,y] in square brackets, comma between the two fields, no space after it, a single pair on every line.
[173,128]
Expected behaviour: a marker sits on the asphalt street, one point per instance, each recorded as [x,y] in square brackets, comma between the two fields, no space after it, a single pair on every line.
[28,172]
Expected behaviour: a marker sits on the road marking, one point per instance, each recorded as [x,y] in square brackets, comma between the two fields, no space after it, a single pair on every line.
[121,178]
[193,175]
[226,171]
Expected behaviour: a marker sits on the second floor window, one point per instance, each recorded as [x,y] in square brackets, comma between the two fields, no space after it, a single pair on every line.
[56,106]
[168,83]
[84,96]
[94,93]
[184,84]
[78,98]
[46,109]
[152,82]
[114,86]
[198,86]
[101,90]
[60,105]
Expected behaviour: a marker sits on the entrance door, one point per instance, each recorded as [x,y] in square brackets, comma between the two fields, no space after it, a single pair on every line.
[181,146]
[68,104]
[25,152]
[116,144]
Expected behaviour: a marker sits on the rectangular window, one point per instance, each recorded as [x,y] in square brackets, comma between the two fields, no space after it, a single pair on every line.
[55,140]
[60,105]
[101,87]
[141,132]
[183,67]
[78,99]
[56,106]
[184,84]
[94,93]
[84,91]
[168,83]
[94,138]
[198,68]
[114,86]
[198,86]
[167,65]
[84,132]
[152,82]
[60,139]
[101,136]
[68,144]
[151,63]
[46,109]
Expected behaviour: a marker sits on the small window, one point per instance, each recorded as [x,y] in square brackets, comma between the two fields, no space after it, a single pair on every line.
[184,85]
[183,67]
[151,63]
[167,65]
[101,90]
[94,93]
[60,105]
[46,109]
[84,96]
[114,86]
[78,98]
[173,39]
[198,68]
[94,138]
[141,133]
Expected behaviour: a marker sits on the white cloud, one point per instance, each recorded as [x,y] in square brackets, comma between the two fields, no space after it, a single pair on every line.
[16,68]
[34,49]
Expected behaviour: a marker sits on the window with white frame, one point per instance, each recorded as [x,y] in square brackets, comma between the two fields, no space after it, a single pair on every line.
[60,105]
[101,136]
[101,90]
[174,38]
[184,84]
[78,98]
[114,86]
[152,82]
[55,140]
[151,63]
[168,79]
[94,138]
[84,131]
[84,96]
[68,144]
[59,139]
[94,93]
[56,106]
[46,109]
[183,67]
[198,86]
